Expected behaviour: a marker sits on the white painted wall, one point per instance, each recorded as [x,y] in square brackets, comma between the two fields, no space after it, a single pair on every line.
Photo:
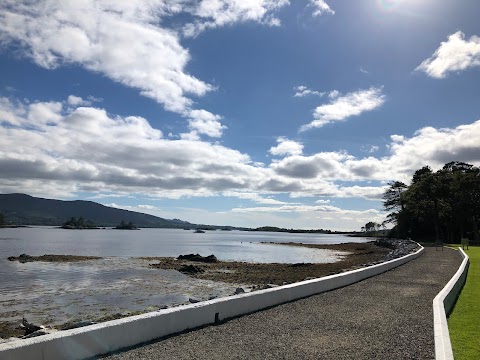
[443,305]
[113,335]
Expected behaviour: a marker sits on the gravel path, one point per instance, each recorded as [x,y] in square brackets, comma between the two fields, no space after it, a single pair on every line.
[385,317]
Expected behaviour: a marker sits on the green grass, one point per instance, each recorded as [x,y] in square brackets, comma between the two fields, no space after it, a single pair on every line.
[464,321]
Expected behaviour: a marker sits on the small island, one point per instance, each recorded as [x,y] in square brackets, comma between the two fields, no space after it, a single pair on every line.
[5,224]
[124,226]
[78,224]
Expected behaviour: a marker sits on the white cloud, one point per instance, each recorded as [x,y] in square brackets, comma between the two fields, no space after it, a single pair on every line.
[77,101]
[321,201]
[306,208]
[319,216]
[52,148]
[455,54]
[190,136]
[253,197]
[343,107]
[63,148]
[204,122]
[286,147]
[211,14]
[302,91]
[120,39]
[320,7]
[334,94]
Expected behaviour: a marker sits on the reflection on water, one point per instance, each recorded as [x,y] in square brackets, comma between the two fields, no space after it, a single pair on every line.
[54,293]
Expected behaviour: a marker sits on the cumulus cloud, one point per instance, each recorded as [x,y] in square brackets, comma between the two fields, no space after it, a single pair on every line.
[455,54]
[77,101]
[120,39]
[204,122]
[211,14]
[343,107]
[320,7]
[302,91]
[53,148]
[255,197]
[334,94]
[286,147]
[63,147]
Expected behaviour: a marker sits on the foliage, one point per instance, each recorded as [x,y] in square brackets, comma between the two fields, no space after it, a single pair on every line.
[124,226]
[444,205]
[2,220]
[464,321]
[372,228]
[79,223]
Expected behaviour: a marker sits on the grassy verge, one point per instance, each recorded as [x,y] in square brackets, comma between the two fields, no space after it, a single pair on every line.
[464,322]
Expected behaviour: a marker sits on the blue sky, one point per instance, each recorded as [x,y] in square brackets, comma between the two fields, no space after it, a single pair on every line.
[247,113]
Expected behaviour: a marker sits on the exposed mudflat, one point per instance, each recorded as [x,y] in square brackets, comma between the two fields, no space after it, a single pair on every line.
[89,288]
[388,316]
[355,255]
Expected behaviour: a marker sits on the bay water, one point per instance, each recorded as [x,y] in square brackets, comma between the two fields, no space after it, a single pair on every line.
[121,283]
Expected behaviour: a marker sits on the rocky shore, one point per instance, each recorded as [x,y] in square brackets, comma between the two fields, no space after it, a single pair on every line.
[265,275]
[253,276]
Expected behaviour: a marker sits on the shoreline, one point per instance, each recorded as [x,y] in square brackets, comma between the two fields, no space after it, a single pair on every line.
[249,276]
[262,275]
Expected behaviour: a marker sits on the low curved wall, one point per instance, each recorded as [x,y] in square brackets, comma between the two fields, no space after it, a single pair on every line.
[113,335]
[443,305]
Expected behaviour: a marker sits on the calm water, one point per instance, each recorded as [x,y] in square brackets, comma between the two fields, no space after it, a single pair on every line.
[226,245]
[54,293]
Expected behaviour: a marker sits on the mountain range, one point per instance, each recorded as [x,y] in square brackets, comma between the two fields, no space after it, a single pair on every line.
[22,209]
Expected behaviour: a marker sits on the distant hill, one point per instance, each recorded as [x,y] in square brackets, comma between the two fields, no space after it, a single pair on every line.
[21,209]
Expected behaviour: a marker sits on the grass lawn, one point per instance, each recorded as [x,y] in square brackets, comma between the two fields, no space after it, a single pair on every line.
[464,321]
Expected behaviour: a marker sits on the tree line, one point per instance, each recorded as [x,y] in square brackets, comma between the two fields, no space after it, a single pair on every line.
[442,205]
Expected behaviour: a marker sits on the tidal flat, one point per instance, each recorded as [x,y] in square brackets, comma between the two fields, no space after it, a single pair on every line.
[99,289]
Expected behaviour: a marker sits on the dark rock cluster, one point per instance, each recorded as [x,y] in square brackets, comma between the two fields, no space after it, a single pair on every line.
[199,258]
[398,247]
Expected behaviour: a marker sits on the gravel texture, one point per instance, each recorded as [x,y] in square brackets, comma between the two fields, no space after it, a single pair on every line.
[385,317]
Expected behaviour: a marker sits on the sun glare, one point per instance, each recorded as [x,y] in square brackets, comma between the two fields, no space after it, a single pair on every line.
[411,8]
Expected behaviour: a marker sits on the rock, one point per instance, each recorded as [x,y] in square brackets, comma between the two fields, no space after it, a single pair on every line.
[79,324]
[194,300]
[211,297]
[23,258]
[190,269]
[300,264]
[29,327]
[199,258]
[239,290]
[269,286]
[40,332]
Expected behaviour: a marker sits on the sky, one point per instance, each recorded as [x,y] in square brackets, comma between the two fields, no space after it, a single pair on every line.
[249,113]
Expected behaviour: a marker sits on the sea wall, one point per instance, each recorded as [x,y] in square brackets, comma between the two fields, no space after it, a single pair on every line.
[443,305]
[113,335]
